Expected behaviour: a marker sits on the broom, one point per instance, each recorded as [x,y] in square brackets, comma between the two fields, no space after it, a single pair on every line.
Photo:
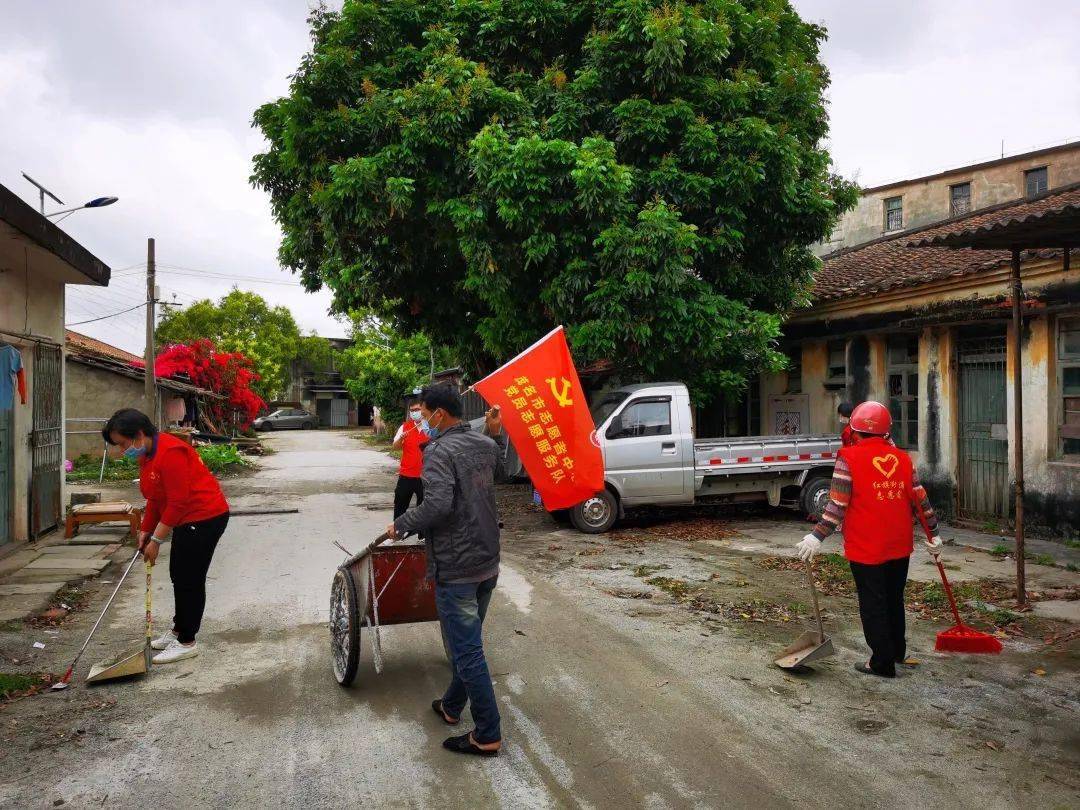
[958,638]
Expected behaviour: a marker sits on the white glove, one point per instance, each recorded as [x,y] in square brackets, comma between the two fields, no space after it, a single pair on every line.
[808,547]
[933,545]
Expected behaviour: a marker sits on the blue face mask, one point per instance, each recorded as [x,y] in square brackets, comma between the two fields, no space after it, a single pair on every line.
[134,452]
[433,432]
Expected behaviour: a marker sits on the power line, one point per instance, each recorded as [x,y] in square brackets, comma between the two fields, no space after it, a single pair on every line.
[103,317]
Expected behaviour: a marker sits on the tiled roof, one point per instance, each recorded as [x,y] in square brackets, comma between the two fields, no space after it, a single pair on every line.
[84,344]
[894,262]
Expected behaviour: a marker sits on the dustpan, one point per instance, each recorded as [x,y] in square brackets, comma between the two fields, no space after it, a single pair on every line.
[811,646]
[132,662]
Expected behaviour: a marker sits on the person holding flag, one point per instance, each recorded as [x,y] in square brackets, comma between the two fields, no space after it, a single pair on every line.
[459,521]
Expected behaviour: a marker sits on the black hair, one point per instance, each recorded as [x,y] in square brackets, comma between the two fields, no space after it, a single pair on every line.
[128,422]
[442,395]
[845,409]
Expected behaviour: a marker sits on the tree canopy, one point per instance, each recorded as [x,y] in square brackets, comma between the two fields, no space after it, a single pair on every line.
[649,173]
[383,364]
[244,323]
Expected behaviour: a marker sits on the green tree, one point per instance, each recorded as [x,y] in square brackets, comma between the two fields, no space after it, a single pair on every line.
[383,364]
[648,172]
[315,353]
[240,322]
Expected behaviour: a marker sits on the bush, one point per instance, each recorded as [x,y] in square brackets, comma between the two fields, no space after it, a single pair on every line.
[222,458]
[87,468]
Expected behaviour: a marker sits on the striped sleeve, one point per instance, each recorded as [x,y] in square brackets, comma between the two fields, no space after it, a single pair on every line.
[839,498]
[920,502]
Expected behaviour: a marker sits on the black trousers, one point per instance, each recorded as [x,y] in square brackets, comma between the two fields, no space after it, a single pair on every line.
[881,606]
[193,547]
[403,493]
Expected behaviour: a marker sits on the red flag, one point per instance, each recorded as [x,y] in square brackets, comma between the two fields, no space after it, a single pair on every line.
[547,417]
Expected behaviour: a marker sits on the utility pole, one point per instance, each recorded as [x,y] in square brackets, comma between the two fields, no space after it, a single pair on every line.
[150,391]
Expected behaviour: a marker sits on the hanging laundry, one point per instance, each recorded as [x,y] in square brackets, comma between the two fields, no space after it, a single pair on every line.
[11,375]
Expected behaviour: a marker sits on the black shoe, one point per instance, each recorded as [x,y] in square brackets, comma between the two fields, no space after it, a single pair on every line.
[465,745]
[865,670]
[436,706]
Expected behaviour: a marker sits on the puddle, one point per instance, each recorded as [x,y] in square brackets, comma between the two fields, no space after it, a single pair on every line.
[515,587]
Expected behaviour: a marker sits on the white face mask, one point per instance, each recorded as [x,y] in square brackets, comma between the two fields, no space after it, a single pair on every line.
[415,416]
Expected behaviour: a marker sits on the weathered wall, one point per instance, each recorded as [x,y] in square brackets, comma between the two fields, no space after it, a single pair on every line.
[95,394]
[926,200]
[28,304]
[938,417]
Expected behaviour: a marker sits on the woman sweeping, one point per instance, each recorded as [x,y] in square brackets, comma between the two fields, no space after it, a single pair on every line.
[874,490]
[183,503]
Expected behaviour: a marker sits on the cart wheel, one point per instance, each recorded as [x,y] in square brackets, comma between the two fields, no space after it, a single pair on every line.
[344,627]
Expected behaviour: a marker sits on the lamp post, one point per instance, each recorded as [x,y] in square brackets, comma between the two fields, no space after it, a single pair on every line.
[97,202]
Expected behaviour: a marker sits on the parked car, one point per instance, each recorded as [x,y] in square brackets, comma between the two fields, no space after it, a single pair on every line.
[651,456]
[284,418]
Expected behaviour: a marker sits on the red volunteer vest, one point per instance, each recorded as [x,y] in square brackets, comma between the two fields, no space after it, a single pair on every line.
[877,523]
[412,460]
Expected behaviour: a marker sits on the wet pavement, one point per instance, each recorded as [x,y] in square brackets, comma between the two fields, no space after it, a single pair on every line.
[606,702]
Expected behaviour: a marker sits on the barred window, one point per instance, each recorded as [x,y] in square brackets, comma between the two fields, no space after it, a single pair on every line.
[1069,386]
[894,213]
[1035,181]
[902,371]
[837,362]
[959,199]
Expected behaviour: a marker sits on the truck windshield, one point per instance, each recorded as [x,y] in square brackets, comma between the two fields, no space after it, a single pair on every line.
[603,407]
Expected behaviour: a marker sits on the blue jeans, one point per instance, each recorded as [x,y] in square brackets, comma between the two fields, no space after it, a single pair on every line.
[461,610]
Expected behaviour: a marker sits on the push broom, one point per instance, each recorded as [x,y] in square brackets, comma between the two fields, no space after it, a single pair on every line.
[958,638]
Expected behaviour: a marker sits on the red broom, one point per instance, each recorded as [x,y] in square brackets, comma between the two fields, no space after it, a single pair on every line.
[958,638]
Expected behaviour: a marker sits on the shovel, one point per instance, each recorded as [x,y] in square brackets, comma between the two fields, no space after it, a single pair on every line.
[810,646]
[132,662]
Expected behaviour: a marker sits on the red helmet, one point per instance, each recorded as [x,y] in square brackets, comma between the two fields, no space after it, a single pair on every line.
[871,417]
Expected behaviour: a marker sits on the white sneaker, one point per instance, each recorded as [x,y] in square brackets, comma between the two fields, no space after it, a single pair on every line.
[164,641]
[175,652]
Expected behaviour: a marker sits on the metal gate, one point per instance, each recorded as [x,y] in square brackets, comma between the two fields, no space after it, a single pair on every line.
[983,433]
[7,460]
[46,439]
[339,413]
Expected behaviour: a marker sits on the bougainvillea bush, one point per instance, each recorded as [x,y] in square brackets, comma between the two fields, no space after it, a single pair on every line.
[228,373]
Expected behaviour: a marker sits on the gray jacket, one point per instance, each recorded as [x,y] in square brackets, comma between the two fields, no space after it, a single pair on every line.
[458,517]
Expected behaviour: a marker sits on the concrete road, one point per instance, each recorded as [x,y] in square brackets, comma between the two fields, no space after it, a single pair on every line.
[598,711]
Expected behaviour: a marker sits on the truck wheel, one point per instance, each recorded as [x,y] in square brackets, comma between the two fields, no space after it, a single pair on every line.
[596,515]
[815,497]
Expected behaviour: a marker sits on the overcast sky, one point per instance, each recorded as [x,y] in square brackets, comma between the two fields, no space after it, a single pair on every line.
[152,102]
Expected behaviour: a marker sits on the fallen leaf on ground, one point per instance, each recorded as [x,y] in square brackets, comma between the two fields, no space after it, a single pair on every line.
[912,662]
[1040,672]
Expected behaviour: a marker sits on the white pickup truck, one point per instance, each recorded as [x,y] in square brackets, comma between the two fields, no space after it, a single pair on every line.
[646,434]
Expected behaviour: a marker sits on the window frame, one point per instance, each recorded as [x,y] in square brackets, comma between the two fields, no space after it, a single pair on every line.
[618,420]
[830,378]
[952,202]
[899,199]
[1065,361]
[908,400]
[794,371]
[1046,173]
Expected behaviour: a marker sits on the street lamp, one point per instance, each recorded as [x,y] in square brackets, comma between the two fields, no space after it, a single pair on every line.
[97,202]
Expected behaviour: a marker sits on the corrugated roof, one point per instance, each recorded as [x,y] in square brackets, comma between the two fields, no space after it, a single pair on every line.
[79,342]
[895,262]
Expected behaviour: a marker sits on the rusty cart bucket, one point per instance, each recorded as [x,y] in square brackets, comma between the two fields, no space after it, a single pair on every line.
[812,645]
[132,662]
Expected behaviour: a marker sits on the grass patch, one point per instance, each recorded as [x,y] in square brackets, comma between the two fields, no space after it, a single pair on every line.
[13,683]
[87,468]
[381,442]
[678,588]
[648,570]
[1041,559]
[221,459]
[1072,567]
[1000,550]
